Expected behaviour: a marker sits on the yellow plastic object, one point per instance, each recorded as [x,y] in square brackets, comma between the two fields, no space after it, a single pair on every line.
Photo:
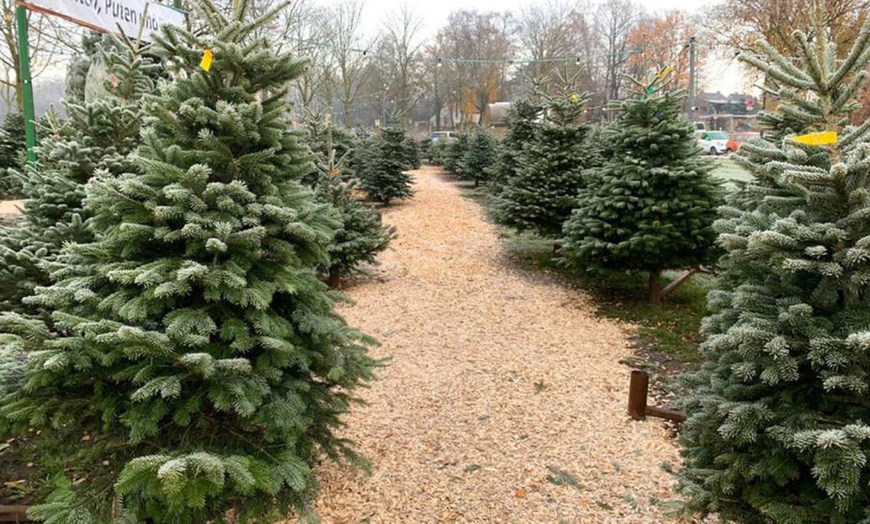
[207,58]
[818,139]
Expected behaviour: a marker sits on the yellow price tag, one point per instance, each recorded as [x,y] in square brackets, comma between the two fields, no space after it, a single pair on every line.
[665,72]
[207,58]
[818,139]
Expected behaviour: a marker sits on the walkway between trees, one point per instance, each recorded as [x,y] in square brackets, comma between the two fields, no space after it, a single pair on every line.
[504,400]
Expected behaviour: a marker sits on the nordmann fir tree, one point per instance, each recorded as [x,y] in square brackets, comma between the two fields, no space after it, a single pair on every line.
[12,155]
[361,235]
[778,425]
[96,138]
[479,157]
[543,191]
[195,345]
[456,150]
[522,122]
[651,206]
[383,164]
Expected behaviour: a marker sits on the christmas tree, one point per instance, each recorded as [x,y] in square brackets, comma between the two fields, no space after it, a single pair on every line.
[479,157]
[651,206]
[456,150]
[332,145]
[96,138]
[361,235]
[194,346]
[12,155]
[437,152]
[80,63]
[382,163]
[549,171]
[522,122]
[778,425]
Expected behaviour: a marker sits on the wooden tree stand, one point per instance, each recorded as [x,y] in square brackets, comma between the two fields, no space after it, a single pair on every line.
[14,514]
[638,393]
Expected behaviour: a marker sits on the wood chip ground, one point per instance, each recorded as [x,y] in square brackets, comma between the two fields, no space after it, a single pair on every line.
[504,400]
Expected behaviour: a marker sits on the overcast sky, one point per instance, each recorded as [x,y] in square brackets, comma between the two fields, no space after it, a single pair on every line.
[717,75]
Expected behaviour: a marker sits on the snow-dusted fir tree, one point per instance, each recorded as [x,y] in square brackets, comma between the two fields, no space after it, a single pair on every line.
[456,150]
[778,423]
[549,172]
[361,235]
[194,343]
[12,155]
[95,139]
[382,164]
[522,121]
[651,206]
[477,164]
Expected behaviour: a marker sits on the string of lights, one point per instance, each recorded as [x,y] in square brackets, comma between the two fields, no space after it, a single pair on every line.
[440,61]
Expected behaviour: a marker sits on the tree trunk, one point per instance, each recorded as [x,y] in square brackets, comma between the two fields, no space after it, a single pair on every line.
[334,279]
[655,287]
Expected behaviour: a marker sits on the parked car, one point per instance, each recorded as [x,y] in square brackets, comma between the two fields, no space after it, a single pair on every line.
[435,136]
[714,142]
[738,139]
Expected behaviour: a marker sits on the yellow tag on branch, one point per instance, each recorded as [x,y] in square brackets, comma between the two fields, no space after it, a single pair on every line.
[207,58]
[818,139]
[665,72]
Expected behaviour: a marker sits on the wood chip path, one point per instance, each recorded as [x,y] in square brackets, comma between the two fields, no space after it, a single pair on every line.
[504,400]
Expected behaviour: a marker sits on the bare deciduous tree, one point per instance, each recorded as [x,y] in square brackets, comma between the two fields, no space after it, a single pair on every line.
[348,50]
[614,19]
[548,32]
[399,54]
[49,39]
[479,45]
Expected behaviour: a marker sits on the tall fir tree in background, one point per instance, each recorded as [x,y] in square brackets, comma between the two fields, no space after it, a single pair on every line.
[651,206]
[96,138]
[382,165]
[13,150]
[549,173]
[80,64]
[778,425]
[333,146]
[522,122]
[479,158]
[456,151]
[362,235]
[194,343]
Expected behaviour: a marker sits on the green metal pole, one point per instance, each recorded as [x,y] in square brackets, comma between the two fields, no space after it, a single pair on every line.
[26,83]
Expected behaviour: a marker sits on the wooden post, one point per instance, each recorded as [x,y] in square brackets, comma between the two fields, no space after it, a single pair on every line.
[667,414]
[14,513]
[637,394]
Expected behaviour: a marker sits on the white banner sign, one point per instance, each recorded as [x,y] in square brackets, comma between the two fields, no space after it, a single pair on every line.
[108,15]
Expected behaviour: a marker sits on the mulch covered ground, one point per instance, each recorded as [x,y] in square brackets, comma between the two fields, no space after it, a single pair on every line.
[504,400]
